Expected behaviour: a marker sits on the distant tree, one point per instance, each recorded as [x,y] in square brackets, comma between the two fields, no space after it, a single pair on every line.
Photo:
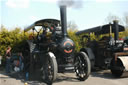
[110,18]
[125,20]
[4,39]
[72,26]
[14,38]
[72,29]
[76,39]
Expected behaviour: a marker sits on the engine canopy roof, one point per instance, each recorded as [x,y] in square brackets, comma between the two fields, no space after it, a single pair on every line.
[43,23]
[101,29]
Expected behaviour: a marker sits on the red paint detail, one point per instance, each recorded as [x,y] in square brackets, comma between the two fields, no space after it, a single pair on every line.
[68,51]
[65,49]
[68,42]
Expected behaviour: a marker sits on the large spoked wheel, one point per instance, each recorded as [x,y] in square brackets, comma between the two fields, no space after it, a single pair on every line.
[82,66]
[50,69]
[117,67]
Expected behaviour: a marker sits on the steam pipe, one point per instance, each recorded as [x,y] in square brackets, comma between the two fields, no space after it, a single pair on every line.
[63,20]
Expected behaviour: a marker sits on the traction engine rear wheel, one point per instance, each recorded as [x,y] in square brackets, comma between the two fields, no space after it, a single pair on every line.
[82,66]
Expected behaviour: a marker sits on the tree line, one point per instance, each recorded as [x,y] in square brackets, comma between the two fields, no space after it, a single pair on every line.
[16,38]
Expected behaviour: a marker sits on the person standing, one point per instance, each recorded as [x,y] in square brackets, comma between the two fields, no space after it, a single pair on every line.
[8,59]
[21,64]
[0,59]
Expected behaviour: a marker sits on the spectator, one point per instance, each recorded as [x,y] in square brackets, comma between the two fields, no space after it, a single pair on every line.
[8,59]
[21,58]
[27,67]
[0,59]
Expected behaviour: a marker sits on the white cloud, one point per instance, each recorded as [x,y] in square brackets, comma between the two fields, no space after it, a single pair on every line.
[109,0]
[49,1]
[104,0]
[18,3]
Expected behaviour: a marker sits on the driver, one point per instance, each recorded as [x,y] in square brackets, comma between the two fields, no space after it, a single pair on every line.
[45,37]
[105,38]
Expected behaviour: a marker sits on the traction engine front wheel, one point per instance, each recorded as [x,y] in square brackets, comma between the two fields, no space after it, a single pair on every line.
[117,67]
[50,69]
[82,66]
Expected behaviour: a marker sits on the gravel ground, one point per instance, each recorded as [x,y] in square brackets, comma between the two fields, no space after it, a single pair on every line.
[96,78]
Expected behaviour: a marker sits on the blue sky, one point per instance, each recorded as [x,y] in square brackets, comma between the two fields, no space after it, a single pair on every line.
[21,13]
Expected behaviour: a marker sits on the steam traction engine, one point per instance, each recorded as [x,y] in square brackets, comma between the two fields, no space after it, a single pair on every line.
[107,52]
[52,51]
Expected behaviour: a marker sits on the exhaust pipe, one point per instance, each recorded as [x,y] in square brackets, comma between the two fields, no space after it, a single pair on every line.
[116,27]
[63,20]
[116,30]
